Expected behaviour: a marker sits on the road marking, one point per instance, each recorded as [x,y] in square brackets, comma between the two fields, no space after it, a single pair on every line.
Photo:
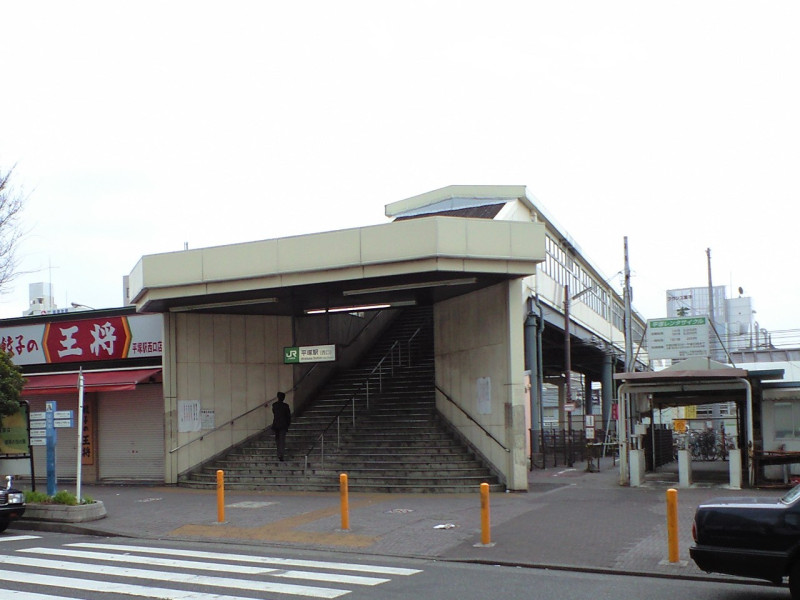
[18,538]
[206,566]
[188,578]
[16,594]
[267,560]
[108,587]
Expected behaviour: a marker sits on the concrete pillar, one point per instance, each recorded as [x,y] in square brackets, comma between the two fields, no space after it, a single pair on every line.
[637,468]
[515,390]
[735,467]
[684,468]
[607,382]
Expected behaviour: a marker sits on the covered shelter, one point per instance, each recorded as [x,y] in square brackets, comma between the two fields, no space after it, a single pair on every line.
[230,311]
[695,381]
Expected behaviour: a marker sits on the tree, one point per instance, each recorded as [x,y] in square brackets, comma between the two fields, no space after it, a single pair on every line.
[11,382]
[11,204]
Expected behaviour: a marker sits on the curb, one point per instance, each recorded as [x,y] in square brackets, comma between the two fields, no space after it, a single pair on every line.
[62,513]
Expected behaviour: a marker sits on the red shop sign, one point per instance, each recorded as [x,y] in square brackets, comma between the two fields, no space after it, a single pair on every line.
[105,338]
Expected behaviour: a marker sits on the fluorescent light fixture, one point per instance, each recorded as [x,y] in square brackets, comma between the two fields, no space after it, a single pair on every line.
[358,308]
[412,286]
[231,304]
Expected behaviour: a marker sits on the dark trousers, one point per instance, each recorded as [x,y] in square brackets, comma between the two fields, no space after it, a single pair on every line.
[280,441]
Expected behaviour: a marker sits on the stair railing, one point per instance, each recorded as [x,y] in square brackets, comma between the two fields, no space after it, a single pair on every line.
[386,364]
[408,345]
[263,406]
[466,414]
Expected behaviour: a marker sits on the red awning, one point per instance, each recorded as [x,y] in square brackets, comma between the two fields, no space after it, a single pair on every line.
[93,381]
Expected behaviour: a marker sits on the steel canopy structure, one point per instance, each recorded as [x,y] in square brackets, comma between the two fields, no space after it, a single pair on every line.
[698,381]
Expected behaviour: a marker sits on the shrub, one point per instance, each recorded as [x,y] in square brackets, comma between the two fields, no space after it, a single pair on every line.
[62,497]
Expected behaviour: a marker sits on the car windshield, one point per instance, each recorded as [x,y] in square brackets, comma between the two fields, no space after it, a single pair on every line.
[792,495]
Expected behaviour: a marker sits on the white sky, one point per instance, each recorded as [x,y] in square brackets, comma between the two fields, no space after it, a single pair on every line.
[139,126]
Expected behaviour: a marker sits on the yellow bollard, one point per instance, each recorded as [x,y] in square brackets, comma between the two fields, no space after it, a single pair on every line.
[672,525]
[345,505]
[220,496]
[486,537]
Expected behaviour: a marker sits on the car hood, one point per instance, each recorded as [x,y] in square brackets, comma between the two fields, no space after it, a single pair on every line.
[748,501]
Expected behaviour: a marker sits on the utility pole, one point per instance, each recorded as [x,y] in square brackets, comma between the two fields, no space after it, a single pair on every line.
[713,327]
[568,374]
[622,407]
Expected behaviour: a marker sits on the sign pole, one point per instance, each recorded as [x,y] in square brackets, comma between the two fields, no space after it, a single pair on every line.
[79,427]
[50,436]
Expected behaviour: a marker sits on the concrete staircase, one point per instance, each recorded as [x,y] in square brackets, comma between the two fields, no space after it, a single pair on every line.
[396,444]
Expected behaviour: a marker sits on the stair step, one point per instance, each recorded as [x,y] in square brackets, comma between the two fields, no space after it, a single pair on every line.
[396,445]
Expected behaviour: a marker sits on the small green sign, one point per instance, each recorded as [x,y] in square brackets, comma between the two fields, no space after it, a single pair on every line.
[307,354]
[291,355]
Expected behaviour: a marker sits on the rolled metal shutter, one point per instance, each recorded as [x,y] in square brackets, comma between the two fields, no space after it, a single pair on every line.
[130,435]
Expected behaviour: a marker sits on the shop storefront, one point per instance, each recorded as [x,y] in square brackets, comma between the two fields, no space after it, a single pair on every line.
[118,353]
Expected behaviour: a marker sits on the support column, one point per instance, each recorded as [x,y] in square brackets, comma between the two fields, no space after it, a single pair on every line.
[587,395]
[515,390]
[608,389]
[532,366]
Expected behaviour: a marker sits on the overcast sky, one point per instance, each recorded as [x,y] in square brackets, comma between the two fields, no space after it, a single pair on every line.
[137,127]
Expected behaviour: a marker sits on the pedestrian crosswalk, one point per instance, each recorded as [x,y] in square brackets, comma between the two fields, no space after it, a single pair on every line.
[175,573]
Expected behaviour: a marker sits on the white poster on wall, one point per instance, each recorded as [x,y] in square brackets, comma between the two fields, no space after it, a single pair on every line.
[207,419]
[188,416]
[484,391]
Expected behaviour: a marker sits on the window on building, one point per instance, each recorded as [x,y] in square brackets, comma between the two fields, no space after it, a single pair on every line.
[784,420]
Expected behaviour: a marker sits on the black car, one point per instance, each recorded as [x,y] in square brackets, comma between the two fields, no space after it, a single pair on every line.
[750,537]
[12,504]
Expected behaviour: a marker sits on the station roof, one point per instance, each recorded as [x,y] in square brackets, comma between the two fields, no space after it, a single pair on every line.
[416,261]
[693,381]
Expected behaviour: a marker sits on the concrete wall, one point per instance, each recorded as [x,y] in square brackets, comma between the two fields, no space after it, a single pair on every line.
[231,364]
[480,365]
[352,334]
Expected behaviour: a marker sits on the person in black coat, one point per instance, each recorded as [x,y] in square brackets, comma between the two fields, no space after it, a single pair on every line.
[281,420]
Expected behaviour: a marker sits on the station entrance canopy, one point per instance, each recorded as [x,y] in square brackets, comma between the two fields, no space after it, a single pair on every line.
[419,261]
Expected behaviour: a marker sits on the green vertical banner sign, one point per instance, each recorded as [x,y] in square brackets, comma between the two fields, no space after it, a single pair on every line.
[14,433]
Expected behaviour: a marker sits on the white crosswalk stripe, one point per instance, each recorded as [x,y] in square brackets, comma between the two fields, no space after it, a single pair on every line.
[267,560]
[171,576]
[204,566]
[175,567]
[16,595]
[18,538]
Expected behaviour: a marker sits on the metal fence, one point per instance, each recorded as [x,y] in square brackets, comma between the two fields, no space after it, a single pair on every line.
[561,446]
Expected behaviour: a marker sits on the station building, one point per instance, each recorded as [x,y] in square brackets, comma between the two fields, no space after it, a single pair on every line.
[516,306]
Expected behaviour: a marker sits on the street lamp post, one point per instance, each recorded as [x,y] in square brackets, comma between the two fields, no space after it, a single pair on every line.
[84,306]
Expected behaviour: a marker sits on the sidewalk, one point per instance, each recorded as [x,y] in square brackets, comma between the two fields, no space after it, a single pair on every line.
[570,518]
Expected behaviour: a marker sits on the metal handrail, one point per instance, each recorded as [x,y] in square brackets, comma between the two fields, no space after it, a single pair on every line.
[363,385]
[482,428]
[268,402]
[408,344]
[263,405]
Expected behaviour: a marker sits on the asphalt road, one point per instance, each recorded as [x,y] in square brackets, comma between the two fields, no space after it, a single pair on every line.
[53,566]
